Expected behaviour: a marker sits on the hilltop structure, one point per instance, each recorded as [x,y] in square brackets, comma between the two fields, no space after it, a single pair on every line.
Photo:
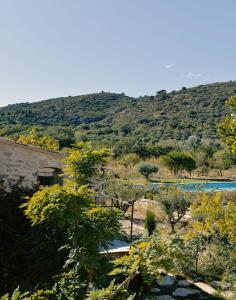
[29,164]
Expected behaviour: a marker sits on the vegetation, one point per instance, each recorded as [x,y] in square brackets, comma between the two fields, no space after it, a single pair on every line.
[104,118]
[175,204]
[228,127]
[130,160]
[35,139]
[52,235]
[121,195]
[147,169]
[38,295]
[177,161]
[150,223]
[213,235]
[68,213]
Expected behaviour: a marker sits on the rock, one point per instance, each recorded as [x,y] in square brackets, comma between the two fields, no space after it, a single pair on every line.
[206,288]
[222,285]
[183,292]
[167,280]
[183,283]
[155,290]
[164,297]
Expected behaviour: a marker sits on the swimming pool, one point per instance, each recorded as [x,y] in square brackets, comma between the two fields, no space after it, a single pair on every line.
[204,186]
[209,186]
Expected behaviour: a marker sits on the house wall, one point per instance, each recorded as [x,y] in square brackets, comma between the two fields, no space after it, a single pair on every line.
[17,161]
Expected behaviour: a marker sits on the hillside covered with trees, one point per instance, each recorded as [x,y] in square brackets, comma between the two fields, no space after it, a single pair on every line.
[107,117]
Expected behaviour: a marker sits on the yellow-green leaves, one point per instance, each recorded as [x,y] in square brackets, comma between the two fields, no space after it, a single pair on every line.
[37,295]
[152,256]
[35,139]
[227,128]
[83,162]
[213,217]
[57,204]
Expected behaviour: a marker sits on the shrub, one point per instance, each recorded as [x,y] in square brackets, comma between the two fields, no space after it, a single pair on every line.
[150,223]
[147,169]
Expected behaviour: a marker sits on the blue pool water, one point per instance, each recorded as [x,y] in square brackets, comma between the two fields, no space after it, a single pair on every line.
[205,186]
[209,186]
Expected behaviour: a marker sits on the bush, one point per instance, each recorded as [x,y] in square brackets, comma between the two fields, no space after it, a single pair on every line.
[150,223]
[147,169]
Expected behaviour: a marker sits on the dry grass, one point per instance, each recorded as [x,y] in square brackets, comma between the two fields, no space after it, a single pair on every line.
[140,209]
[132,175]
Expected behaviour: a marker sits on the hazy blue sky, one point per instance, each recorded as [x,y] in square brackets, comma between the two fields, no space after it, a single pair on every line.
[52,48]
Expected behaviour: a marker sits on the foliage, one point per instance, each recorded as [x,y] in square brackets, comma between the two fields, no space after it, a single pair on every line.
[121,194]
[151,256]
[214,218]
[99,117]
[37,295]
[69,286]
[150,223]
[84,162]
[130,159]
[57,205]
[221,161]
[218,261]
[193,142]
[71,209]
[147,169]
[177,161]
[112,292]
[190,164]
[126,129]
[35,139]
[175,204]
[211,237]
[228,127]
[23,259]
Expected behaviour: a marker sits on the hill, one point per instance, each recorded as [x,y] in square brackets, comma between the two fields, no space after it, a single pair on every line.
[108,117]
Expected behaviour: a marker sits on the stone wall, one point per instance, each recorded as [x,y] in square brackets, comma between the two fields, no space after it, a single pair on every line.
[23,161]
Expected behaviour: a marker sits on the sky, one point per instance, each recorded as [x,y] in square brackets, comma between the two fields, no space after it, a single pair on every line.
[54,48]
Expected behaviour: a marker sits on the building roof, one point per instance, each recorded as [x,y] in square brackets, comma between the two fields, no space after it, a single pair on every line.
[31,148]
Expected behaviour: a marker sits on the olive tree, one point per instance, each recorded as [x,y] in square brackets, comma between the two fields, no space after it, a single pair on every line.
[121,194]
[175,204]
[147,169]
[130,159]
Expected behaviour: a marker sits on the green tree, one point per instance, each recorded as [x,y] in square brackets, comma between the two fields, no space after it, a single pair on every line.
[221,161]
[175,204]
[71,209]
[121,194]
[147,169]
[141,149]
[177,161]
[130,159]
[227,128]
[126,129]
[84,163]
[189,164]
